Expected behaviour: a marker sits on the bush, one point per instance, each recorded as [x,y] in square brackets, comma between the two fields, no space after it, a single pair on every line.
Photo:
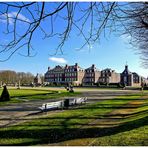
[5,95]
[98,84]
[120,85]
[145,88]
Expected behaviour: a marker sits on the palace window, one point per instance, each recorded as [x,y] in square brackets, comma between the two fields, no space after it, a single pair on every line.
[125,79]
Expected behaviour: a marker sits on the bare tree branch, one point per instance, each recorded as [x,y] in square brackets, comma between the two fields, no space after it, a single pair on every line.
[90,20]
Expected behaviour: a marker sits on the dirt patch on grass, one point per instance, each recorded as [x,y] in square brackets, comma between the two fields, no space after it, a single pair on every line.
[114,118]
[110,120]
[136,103]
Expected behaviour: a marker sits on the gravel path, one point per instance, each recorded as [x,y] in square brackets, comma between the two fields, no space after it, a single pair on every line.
[13,113]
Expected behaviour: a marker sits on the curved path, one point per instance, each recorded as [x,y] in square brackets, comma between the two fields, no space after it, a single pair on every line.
[18,112]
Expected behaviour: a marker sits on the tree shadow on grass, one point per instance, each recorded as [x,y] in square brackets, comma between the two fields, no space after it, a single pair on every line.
[54,134]
[95,117]
[76,107]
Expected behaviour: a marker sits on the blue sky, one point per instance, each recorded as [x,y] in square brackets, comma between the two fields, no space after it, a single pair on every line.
[112,52]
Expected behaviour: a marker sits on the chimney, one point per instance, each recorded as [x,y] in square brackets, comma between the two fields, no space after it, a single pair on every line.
[48,68]
[76,64]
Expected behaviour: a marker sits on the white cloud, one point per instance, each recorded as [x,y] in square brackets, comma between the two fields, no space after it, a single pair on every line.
[11,17]
[58,60]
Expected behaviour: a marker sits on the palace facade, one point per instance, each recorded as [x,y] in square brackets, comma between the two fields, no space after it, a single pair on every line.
[129,78]
[69,74]
[109,76]
[91,75]
[74,74]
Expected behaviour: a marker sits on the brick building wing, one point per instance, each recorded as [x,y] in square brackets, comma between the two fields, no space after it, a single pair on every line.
[74,74]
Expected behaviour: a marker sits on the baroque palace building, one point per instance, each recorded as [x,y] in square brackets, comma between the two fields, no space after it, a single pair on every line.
[109,76]
[132,78]
[69,74]
[74,74]
[91,75]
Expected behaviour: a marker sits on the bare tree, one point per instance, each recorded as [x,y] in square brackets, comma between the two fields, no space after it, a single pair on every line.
[12,77]
[89,20]
[74,15]
[136,26]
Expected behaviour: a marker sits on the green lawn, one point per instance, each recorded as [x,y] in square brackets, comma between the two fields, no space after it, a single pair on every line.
[21,95]
[25,92]
[111,122]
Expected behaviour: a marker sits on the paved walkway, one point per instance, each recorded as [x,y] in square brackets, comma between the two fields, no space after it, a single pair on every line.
[14,113]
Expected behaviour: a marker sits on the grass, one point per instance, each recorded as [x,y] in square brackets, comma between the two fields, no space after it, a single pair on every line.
[50,125]
[131,128]
[135,137]
[110,122]
[122,121]
[21,95]
[26,92]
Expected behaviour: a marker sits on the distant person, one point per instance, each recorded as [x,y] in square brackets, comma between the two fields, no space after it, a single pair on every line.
[71,89]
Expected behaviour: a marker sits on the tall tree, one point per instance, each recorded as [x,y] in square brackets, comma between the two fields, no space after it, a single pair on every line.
[89,19]
[12,77]
[136,27]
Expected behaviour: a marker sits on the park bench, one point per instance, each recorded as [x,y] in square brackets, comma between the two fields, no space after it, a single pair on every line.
[72,101]
[80,100]
[76,101]
[63,103]
[51,105]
